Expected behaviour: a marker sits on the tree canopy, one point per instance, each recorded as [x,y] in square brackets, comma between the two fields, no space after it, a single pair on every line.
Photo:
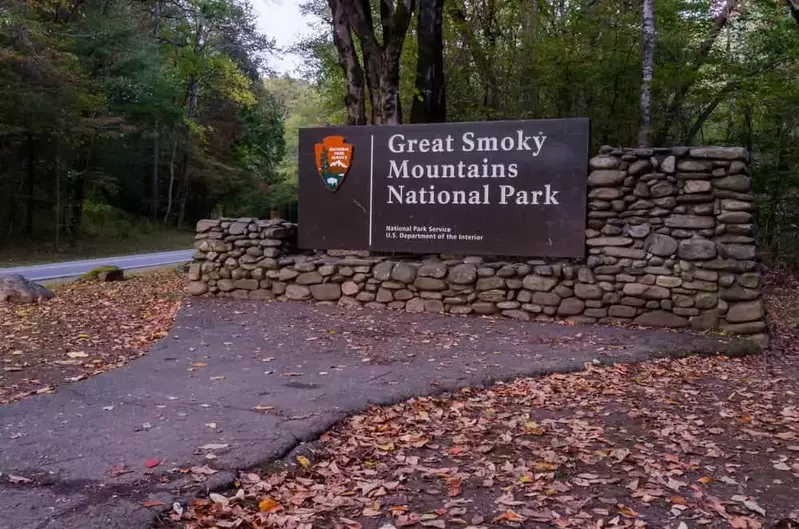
[167,110]
[681,71]
[154,108]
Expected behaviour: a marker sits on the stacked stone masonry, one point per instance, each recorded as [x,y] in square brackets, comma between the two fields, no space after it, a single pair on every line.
[669,243]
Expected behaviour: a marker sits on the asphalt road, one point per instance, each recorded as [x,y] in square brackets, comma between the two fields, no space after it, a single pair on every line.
[241,383]
[76,268]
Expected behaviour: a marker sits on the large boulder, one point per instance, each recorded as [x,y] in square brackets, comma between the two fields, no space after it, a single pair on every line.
[14,288]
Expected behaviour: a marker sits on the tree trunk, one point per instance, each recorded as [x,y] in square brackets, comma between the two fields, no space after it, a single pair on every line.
[529,90]
[78,194]
[183,192]
[647,67]
[793,6]
[171,181]
[156,150]
[387,97]
[30,181]
[381,61]
[485,69]
[75,221]
[429,105]
[58,194]
[156,137]
[355,100]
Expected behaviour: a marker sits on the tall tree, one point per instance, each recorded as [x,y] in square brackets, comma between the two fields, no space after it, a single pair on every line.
[355,100]
[381,56]
[429,104]
[647,70]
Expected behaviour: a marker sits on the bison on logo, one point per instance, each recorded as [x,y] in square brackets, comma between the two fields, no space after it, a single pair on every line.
[333,160]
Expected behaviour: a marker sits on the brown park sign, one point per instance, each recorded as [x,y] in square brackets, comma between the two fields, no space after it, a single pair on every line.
[514,188]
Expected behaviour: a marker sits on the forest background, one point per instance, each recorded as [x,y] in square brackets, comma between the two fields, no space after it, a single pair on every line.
[122,122]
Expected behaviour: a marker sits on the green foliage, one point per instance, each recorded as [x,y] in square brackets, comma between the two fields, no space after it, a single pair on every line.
[733,84]
[149,108]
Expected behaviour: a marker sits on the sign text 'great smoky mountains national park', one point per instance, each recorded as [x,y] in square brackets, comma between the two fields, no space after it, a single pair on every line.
[494,188]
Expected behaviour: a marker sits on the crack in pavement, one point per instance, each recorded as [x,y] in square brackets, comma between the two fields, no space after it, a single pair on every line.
[74,435]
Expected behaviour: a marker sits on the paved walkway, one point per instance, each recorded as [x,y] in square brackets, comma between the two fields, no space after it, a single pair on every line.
[305,366]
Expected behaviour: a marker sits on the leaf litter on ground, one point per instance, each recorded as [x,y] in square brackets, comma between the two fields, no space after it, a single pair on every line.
[87,329]
[679,443]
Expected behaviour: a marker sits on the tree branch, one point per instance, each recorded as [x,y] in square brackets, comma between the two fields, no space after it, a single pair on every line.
[386,13]
[704,50]
[793,5]
[349,63]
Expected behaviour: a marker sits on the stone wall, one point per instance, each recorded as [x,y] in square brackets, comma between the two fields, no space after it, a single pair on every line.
[669,240]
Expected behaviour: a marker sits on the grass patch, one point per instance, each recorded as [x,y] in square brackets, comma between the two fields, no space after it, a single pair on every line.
[33,251]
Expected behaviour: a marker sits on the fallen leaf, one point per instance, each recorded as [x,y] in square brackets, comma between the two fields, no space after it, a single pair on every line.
[304,461]
[754,507]
[218,498]
[203,470]
[508,516]
[545,466]
[152,503]
[118,470]
[77,354]
[269,505]
[152,463]
[214,446]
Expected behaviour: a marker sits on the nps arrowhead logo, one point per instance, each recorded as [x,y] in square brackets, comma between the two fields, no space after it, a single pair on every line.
[333,160]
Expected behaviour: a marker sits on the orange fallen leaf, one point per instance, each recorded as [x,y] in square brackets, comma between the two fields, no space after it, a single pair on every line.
[152,503]
[269,505]
[705,480]
[152,463]
[678,500]
[629,513]
[508,516]
[545,466]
